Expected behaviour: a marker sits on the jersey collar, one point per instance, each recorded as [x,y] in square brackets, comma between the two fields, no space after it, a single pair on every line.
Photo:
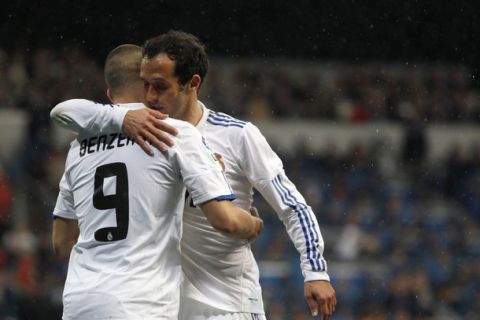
[204,117]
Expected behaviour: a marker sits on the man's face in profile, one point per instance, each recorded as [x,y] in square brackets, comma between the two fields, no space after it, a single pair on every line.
[163,90]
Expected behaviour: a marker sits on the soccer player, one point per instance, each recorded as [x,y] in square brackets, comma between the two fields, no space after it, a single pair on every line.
[127,207]
[221,274]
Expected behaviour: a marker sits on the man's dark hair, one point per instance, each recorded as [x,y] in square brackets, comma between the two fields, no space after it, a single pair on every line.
[184,48]
[122,67]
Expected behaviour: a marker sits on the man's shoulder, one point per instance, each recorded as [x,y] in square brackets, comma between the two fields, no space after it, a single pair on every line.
[179,124]
[186,131]
[236,131]
[223,120]
[130,106]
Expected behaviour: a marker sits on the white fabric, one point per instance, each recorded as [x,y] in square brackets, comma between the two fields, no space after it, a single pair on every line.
[77,115]
[137,276]
[194,310]
[222,272]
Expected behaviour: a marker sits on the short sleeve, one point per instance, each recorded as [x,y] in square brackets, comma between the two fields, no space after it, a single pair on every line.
[64,207]
[200,170]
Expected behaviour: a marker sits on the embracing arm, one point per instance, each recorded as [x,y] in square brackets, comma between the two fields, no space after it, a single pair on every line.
[84,115]
[204,179]
[232,220]
[146,125]
[142,124]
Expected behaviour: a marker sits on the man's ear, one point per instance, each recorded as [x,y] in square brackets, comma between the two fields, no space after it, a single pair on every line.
[109,95]
[195,82]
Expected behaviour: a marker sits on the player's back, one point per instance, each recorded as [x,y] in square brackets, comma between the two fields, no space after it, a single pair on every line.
[129,207]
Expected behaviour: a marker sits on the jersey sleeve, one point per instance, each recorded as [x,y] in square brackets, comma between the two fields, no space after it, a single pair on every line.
[64,207]
[256,158]
[264,170]
[84,115]
[201,172]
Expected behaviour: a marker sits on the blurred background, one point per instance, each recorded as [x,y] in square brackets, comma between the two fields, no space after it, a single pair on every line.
[374,108]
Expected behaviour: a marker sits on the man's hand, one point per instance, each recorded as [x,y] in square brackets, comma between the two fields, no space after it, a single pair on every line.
[146,124]
[254,213]
[321,294]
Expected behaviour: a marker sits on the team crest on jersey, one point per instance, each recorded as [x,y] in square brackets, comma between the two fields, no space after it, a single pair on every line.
[215,156]
[218,157]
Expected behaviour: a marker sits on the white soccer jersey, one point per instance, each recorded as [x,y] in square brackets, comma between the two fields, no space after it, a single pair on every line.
[221,272]
[126,263]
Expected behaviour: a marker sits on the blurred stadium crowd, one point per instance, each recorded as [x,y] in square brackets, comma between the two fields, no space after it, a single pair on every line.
[401,243]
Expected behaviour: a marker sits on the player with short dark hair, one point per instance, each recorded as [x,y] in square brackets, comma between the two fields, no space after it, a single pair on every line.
[184,48]
[121,72]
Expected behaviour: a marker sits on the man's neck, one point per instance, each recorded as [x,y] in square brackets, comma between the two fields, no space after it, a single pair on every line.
[126,99]
[194,114]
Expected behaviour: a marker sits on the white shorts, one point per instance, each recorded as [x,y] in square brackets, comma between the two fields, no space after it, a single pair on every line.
[102,306]
[194,310]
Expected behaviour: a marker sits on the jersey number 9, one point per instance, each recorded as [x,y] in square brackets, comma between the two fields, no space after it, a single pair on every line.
[117,201]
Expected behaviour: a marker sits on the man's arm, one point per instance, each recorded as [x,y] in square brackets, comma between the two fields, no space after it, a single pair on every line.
[84,115]
[203,177]
[146,124]
[64,236]
[65,225]
[140,124]
[302,227]
[265,171]
[232,220]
